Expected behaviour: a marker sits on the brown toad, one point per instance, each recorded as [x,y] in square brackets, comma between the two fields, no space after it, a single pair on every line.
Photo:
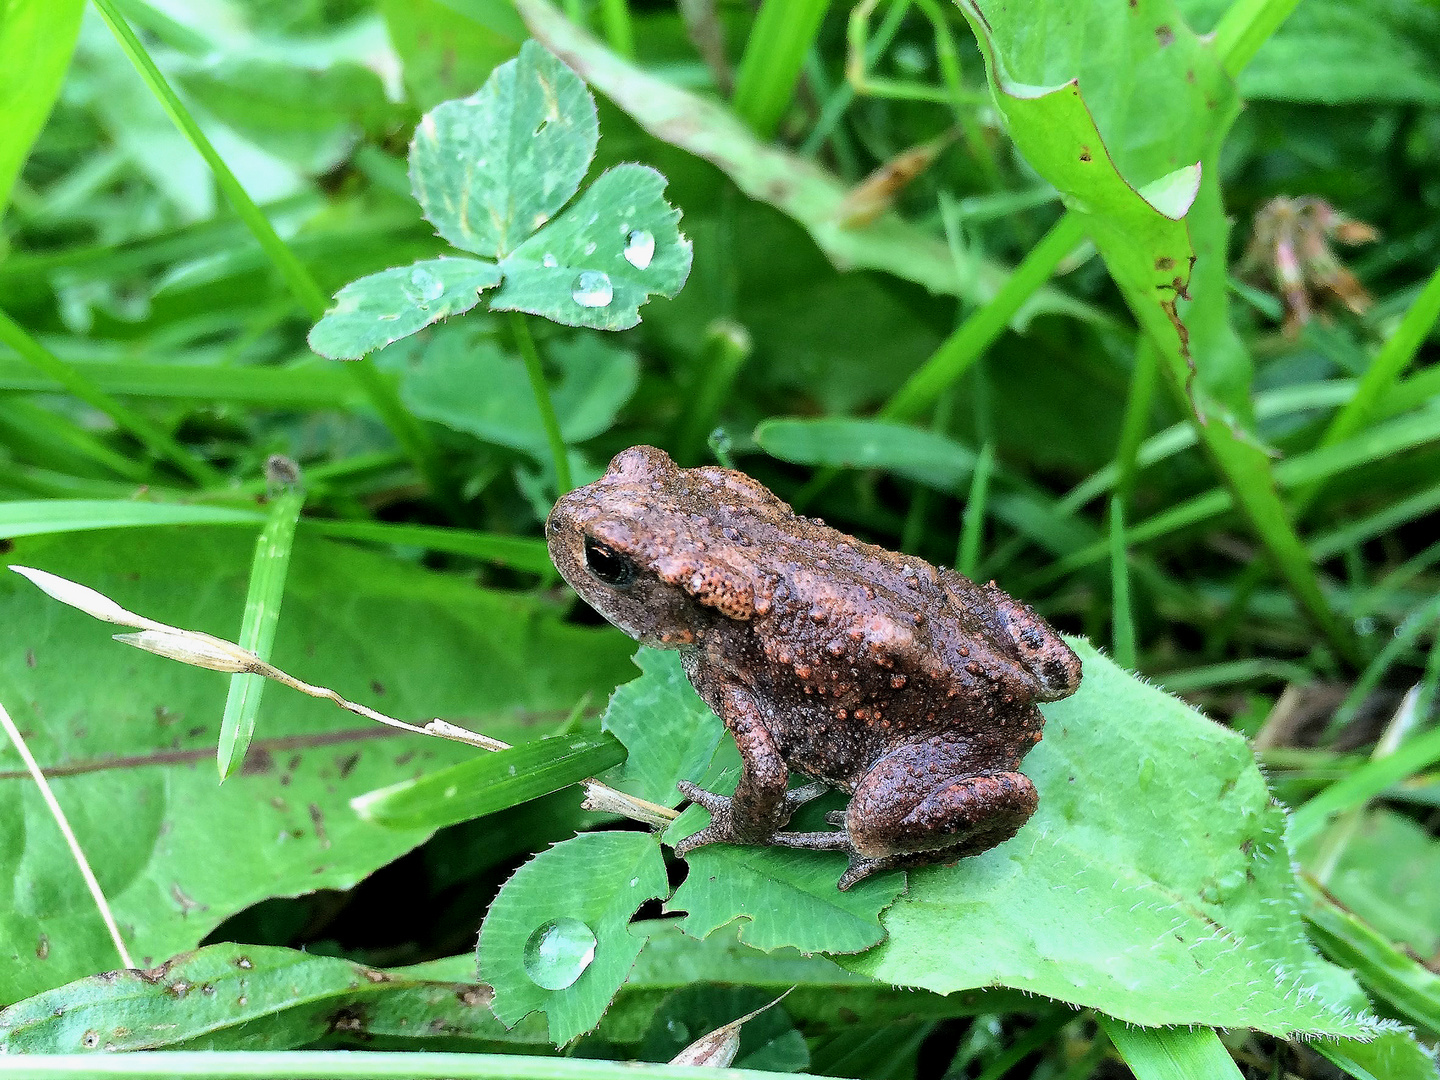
[909,687]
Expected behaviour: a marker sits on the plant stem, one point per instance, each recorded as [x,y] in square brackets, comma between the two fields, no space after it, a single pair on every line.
[533,368]
[780,37]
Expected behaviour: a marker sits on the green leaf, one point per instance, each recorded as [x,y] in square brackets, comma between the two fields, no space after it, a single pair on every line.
[490,782]
[603,257]
[1160,892]
[1389,874]
[779,899]
[467,383]
[40,516]
[36,40]
[1170,1053]
[492,168]
[671,735]
[448,49]
[126,738]
[248,997]
[925,456]
[375,310]
[268,570]
[591,884]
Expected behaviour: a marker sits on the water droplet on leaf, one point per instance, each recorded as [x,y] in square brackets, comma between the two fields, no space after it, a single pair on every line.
[549,260]
[426,285]
[590,248]
[592,289]
[639,249]
[558,953]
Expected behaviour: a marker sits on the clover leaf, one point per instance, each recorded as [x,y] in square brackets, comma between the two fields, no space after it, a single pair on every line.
[494,173]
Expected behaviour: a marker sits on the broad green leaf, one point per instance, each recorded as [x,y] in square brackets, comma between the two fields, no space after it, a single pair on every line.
[374,311]
[467,383]
[563,919]
[489,782]
[1338,52]
[598,262]
[1134,182]
[125,737]
[449,48]
[36,40]
[249,997]
[670,733]
[1153,883]
[926,456]
[1392,1055]
[492,168]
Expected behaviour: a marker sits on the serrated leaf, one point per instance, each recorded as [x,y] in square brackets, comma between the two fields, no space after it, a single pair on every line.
[490,169]
[380,308]
[603,257]
[248,997]
[467,383]
[596,879]
[489,782]
[779,900]
[1153,883]
[670,733]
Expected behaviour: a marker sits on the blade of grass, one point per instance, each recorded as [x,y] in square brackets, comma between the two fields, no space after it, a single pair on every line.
[972,519]
[1405,636]
[516,552]
[727,347]
[840,100]
[780,38]
[64,825]
[310,386]
[978,332]
[268,571]
[1171,1053]
[1364,784]
[1409,988]
[159,442]
[533,368]
[381,392]
[490,783]
[1122,618]
[1026,1044]
[23,423]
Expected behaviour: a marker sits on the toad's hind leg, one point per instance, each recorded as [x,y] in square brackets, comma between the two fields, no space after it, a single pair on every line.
[918,805]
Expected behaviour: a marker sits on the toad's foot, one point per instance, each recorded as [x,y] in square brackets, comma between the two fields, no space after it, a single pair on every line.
[860,867]
[722,828]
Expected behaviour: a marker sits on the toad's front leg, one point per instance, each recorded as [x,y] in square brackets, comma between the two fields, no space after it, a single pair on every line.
[761,805]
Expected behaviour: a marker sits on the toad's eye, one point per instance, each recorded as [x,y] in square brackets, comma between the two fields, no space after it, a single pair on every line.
[609,566]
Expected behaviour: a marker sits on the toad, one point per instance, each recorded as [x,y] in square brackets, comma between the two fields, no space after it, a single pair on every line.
[907,686]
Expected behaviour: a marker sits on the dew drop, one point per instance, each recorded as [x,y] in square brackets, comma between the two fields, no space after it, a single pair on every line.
[426,285]
[558,953]
[639,249]
[592,289]
[549,260]
[590,248]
